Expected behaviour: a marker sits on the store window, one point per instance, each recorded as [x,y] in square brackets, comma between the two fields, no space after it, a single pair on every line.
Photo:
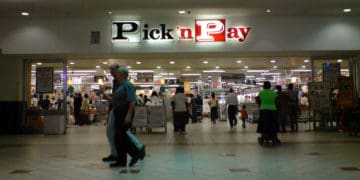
[45,92]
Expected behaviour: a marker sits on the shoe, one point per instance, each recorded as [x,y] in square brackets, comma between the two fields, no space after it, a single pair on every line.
[142,153]
[133,161]
[117,164]
[243,126]
[109,158]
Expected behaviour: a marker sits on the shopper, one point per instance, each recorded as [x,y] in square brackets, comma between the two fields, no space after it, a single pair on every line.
[244,115]
[180,111]
[84,113]
[232,103]
[123,104]
[282,109]
[77,107]
[268,125]
[293,104]
[214,104]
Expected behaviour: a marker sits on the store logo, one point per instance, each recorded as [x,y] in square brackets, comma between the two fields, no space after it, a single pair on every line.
[212,30]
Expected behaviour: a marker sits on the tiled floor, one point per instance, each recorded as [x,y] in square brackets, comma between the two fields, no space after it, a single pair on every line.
[207,152]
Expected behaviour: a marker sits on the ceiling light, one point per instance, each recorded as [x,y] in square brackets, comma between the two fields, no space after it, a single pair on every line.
[301,70]
[273,61]
[213,71]
[138,62]
[205,62]
[209,76]
[339,60]
[128,67]
[238,61]
[72,63]
[246,67]
[191,74]
[81,71]
[217,67]
[144,71]
[257,70]
[188,67]
[98,66]
[172,62]
[25,13]
[268,11]
[274,67]
[109,12]
[159,67]
[306,61]
[105,62]
[39,63]
[33,65]
[347,10]
[303,66]
[182,12]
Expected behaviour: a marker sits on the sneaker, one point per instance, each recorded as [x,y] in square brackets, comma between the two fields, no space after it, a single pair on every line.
[109,158]
[142,153]
[117,164]
[133,161]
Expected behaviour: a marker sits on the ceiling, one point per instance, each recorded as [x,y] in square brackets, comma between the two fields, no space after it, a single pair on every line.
[51,8]
[96,8]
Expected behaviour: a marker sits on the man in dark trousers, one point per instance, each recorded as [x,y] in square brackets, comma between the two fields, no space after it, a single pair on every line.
[123,104]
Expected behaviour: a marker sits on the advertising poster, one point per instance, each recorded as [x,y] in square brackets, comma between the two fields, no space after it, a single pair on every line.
[45,80]
[331,72]
[345,95]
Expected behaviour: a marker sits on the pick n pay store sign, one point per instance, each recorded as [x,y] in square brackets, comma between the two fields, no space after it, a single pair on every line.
[208,30]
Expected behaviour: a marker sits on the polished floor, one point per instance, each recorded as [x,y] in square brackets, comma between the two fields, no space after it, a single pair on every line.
[207,151]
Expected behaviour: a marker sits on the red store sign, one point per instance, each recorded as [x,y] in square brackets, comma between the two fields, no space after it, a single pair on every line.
[206,30]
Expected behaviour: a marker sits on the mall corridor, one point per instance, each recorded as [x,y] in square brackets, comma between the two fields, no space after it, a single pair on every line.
[207,152]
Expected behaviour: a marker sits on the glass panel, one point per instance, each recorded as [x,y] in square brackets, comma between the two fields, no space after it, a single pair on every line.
[318,67]
[46,86]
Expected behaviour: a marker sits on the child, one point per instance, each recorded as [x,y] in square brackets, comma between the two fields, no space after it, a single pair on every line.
[244,115]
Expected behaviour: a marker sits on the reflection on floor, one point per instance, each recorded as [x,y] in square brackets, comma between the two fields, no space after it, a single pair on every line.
[208,151]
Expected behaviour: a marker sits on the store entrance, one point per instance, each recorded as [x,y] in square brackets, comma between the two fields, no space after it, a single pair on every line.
[45,94]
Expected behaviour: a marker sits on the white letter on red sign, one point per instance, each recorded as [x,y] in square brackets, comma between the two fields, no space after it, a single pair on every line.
[210,30]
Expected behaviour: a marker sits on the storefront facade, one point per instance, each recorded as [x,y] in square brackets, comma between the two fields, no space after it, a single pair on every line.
[24,39]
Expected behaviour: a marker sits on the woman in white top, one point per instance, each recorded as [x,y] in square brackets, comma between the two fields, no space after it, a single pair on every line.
[180,110]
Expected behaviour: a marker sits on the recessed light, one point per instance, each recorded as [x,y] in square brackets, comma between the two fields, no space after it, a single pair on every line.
[182,12]
[306,61]
[246,67]
[273,61]
[138,62]
[303,66]
[238,61]
[188,67]
[39,63]
[217,67]
[205,62]
[172,62]
[128,67]
[33,65]
[159,67]
[97,66]
[339,60]
[347,10]
[105,62]
[25,13]
[268,11]
[72,63]
[209,76]
[274,67]
[109,12]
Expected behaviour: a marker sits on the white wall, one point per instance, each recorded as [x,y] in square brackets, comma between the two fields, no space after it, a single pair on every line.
[72,36]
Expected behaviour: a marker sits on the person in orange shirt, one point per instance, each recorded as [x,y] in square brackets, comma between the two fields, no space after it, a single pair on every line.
[244,115]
